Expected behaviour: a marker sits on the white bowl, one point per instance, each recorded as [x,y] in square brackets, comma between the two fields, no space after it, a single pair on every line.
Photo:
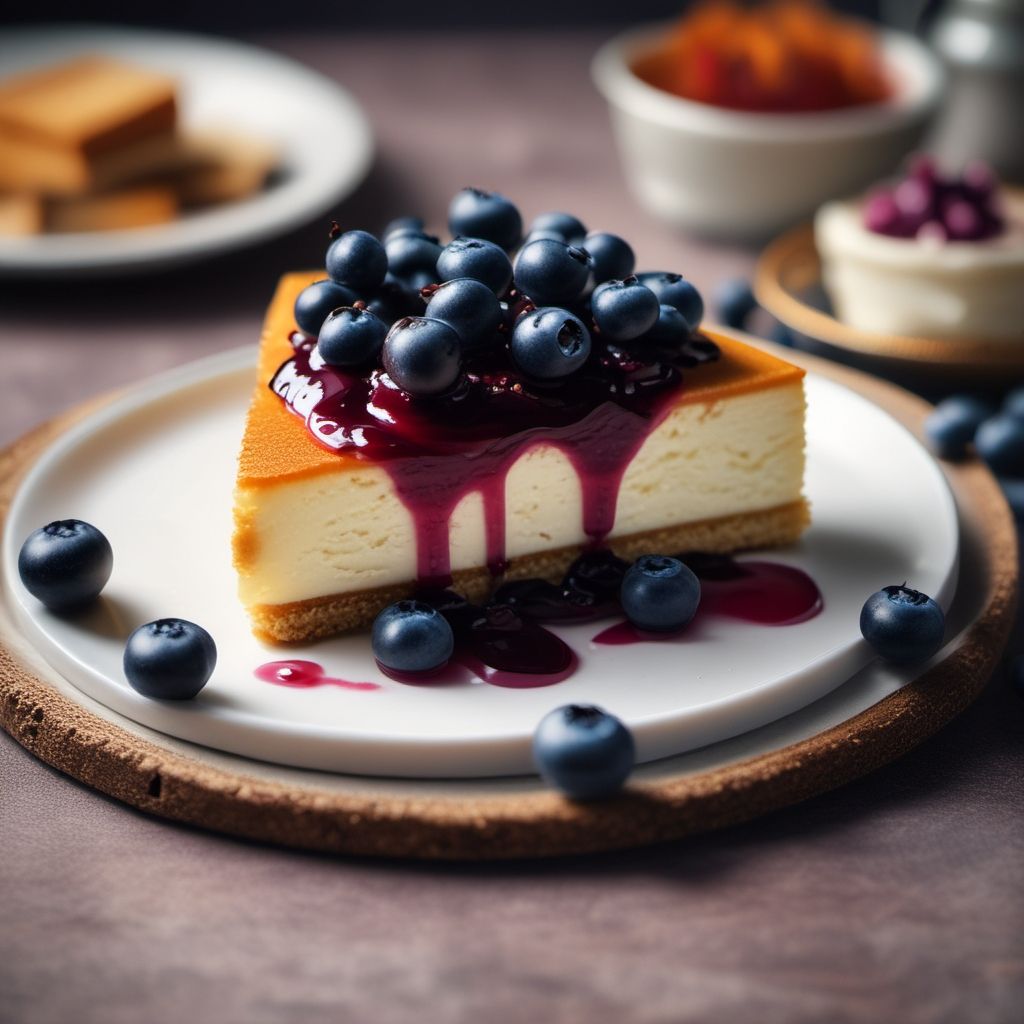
[732,174]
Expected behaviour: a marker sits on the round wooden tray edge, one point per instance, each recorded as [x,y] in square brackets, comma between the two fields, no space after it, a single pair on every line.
[101,754]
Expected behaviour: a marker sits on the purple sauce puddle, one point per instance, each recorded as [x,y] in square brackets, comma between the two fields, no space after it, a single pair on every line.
[302,675]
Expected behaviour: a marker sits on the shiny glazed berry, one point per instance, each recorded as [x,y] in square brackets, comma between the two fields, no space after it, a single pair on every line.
[624,310]
[659,594]
[551,272]
[316,301]
[560,225]
[674,290]
[470,307]
[549,343]
[65,564]
[351,337]
[412,252]
[476,258]
[170,659]
[734,301]
[583,751]
[489,215]
[904,626]
[422,356]
[951,426]
[411,636]
[612,258]
[1000,442]
[356,259]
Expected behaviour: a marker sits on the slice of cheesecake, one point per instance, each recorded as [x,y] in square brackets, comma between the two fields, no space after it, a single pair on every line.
[331,526]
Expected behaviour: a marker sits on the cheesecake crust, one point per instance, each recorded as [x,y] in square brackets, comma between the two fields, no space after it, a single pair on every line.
[315,618]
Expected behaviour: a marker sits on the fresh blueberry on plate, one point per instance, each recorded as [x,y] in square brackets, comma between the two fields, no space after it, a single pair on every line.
[560,225]
[65,564]
[676,291]
[170,659]
[659,594]
[903,625]
[351,337]
[734,301]
[412,252]
[476,258]
[411,636]
[952,424]
[583,751]
[489,215]
[470,307]
[611,256]
[316,301]
[1000,442]
[551,272]
[421,355]
[549,343]
[357,260]
[624,310]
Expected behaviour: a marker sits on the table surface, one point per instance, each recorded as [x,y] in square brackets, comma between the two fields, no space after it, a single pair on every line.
[896,898]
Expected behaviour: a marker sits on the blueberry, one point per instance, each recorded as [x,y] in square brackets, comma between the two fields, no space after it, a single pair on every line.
[488,215]
[1000,442]
[170,659]
[422,356]
[551,272]
[65,563]
[549,343]
[951,426]
[782,335]
[316,302]
[356,259]
[583,751]
[734,301]
[624,310]
[411,636]
[351,337]
[394,299]
[561,225]
[671,328]
[1013,404]
[904,626]
[412,252]
[612,257]
[674,290]
[476,258]
[470,307]
[402,226]
[540,233]
[659,594]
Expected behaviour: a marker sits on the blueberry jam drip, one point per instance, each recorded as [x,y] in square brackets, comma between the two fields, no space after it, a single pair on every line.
[302,675]
[598,417]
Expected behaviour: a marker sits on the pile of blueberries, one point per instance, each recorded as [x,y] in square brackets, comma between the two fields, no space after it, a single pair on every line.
[420,308]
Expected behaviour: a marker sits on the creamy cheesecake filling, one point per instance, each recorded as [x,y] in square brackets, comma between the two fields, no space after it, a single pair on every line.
[345,531]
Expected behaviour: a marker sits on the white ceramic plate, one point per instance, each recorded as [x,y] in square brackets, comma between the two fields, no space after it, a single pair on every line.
[154,470]
[323,136]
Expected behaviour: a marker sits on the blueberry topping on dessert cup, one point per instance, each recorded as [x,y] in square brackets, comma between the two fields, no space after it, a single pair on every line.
[674,290]
[551,272]
[412,637]
[470,308]
[1000,442]
[659,594]
[65,564]
[612,257]
[412,252]
[583,751]
[951,426]
[402,226]
[476,258]
[904,626]
[558,225]
[422,356]
[169,659]
[351,337]
[357,260]
[670,330]
[488,215]
[549,343]
[317,301]
[624,310]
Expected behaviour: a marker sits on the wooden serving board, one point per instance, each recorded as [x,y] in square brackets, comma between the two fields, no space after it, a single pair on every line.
[519,817]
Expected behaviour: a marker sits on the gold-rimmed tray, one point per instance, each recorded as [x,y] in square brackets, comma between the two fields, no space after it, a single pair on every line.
[788,284]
